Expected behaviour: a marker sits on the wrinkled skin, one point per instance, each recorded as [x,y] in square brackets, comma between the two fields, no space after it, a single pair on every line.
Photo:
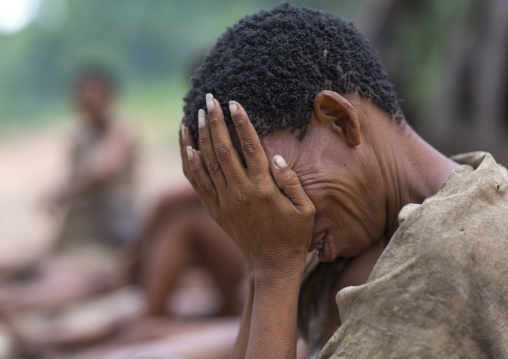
[348,178]
[232,193]
[346,203]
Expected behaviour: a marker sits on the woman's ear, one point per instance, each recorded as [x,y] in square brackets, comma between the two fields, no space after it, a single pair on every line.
[330,107]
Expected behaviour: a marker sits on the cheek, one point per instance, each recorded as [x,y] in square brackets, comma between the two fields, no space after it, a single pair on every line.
[352,239]
[347,217]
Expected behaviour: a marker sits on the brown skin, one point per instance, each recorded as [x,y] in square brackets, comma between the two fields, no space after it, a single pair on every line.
[61,281]
[93,99]
[171,203]
[177,234]
[349,176]
[192,237]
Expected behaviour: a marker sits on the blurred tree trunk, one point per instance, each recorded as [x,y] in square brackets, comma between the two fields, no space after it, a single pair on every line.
[448,60]
[477,84]
[489,69]
[376,14]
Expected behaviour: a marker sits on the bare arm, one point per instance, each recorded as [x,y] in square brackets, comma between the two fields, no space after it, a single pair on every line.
[263,207]
[242,340]
[273,329]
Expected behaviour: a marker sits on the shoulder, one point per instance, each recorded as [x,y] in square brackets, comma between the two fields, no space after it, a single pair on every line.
[463,222]
[444,269]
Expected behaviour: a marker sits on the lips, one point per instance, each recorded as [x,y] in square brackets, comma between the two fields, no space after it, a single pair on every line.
[318,242]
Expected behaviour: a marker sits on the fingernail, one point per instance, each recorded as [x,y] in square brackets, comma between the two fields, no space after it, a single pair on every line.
[184,130]
[233,107]
[190,153]
[201,118]
[209,102]
[280,162]
[181,120]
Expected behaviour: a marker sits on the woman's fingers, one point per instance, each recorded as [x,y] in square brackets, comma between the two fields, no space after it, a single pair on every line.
[231,164]
[208,151]
[181,133]
[193,165]
[255,158]
[287,180]
[202,181]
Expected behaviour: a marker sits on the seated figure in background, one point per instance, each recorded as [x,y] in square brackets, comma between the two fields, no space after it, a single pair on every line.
[98,193]
[179,250]
[95,201]
[179,234]
[100,246]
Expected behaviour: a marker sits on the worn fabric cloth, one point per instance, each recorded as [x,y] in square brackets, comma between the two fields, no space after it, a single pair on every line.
[105,215]
[440,288]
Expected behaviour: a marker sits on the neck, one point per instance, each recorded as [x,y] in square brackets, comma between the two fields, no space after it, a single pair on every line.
[97,123]
[412,171]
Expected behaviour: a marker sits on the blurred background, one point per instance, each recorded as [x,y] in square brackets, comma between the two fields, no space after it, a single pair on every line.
[447,59]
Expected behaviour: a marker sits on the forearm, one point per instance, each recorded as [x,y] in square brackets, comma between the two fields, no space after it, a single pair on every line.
[261,204]
[111,158]
[242,340]
[87,180]
[273,332]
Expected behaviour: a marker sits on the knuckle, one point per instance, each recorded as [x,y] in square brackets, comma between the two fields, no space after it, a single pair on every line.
[290,188]
[242,124]
[204,140]
[213,167]
[214,122]
[264,191]
[206,188]
[249,147]
[310,211]
[241,199]
[194,169]
[290,179]
[192,181]
[222,151]
[240,195]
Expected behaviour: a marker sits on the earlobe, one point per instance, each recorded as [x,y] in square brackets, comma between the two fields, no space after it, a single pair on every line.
[330,107]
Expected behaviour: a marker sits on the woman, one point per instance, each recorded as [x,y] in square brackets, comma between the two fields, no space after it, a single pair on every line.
[326,161]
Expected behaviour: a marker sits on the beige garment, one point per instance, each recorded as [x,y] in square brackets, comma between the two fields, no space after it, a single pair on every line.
[440,288]
[103,216]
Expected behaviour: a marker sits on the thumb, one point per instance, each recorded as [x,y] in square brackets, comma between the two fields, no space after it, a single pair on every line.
[288,182]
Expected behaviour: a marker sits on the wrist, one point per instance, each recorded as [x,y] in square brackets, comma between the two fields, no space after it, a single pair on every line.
[272,279]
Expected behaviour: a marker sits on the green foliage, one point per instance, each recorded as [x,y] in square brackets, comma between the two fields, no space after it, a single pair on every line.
[143,41]
[154,45]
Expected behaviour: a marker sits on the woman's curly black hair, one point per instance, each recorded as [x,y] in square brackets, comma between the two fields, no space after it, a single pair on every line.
[275,62]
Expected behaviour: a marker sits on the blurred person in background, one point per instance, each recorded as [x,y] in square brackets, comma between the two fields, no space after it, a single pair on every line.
[91,255]
[179,234]
[179,249]
[95,201]
[98,193]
